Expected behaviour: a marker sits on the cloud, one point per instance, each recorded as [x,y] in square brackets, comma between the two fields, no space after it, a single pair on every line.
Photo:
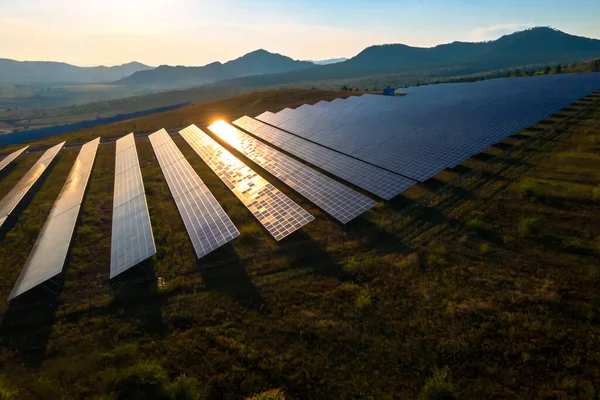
[495,31]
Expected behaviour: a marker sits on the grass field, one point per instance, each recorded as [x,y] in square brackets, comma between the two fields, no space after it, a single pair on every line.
[202,114]
[489,290]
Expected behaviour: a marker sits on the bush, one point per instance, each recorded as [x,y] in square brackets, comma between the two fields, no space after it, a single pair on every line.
[363,299]
[7,393]
[185,388]
[439,386]
[596,193]
[145,380]
[485,248]
[274,394]
[476,224]
[527,226]
[352,264]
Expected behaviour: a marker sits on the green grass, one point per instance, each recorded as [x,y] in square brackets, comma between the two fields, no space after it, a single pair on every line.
[485,293]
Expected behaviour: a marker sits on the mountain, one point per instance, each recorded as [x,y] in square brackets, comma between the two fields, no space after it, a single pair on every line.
[19,72]
[259,62]
[532,47]
[330,61]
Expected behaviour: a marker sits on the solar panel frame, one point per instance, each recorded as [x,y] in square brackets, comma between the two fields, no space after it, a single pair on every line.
[336,199]
[47,258]
[132,239]
[18,192]
[206,222]
[11,157]
[279,214]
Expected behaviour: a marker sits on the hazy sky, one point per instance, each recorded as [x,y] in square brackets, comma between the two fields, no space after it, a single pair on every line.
[196,32]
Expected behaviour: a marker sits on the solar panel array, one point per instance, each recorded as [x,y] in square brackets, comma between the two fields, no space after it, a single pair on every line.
[433,127]
[206,222]
[132,241]
[48,255]
[279,214]
[9,158]
[14,197]
[338,200]
[380,182]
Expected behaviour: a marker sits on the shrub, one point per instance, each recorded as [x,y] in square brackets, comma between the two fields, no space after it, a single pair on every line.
[439,386]
[573,244]
[145,380]
[123,353]
[7,393]
[527,226]
[596,193]
[485,248]
[363,299]
[185,388]
[476,224]
[525,188]
[351,264]
[273,394]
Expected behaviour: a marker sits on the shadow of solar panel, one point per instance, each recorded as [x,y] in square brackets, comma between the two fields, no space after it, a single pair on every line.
[132,240]
[274,210]
[206,222]
[14,197]
[338,200]
[48,255]
[380,182]
[9,158]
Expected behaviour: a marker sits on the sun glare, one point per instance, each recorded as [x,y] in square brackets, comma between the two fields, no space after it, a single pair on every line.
[225,131]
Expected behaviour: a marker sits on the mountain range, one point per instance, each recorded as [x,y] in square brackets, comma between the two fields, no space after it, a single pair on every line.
[329,61]
[259,62]
[48,72]
[532,47]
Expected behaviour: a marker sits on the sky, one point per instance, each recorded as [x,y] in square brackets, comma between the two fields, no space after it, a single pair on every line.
[197,32]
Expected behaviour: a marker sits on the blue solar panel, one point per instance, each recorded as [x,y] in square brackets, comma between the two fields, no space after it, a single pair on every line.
[434,127]
[378,181]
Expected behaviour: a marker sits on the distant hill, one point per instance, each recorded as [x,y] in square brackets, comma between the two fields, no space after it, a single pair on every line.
[529,47]
[259,62]
[330,61]
[22,72]
[532,47]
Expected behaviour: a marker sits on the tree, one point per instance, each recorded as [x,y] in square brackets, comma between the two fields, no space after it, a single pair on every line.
[557,69]
[344,88]
[547,70]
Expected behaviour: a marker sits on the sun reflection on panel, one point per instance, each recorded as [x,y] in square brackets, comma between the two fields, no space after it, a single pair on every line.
[279,214]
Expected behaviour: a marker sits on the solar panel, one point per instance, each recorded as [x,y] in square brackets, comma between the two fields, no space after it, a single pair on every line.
[132,240]
[437,126]
[378,181]
[338,200]
[48,255]
[9,158]
[206,222]
[279,214]
[14,197]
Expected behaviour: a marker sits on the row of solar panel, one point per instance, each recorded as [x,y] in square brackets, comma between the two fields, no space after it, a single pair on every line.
[207,224]
[432,128]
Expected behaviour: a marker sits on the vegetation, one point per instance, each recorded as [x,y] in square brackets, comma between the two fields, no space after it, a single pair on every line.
[391,306]
[202,114]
